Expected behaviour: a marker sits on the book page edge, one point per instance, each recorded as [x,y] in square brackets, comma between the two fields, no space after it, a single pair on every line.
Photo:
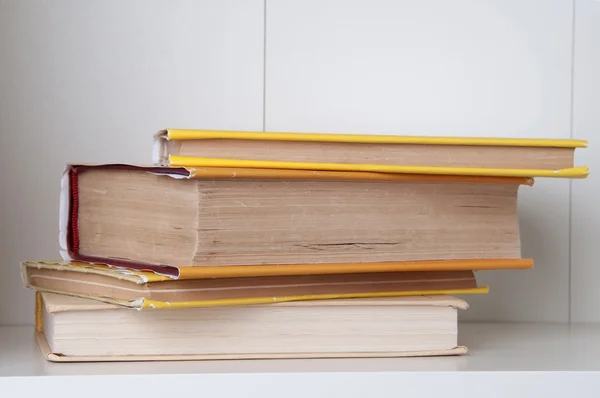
[54,357]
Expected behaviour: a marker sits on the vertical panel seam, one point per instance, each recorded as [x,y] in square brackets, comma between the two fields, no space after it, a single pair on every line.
[264,99]
[571,128]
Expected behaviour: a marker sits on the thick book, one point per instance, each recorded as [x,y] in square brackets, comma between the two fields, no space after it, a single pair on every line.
[72,329]
[277,222]
[148,290]
[521,157]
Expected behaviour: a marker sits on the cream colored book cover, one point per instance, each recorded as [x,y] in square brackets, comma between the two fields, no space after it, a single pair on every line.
[70,329]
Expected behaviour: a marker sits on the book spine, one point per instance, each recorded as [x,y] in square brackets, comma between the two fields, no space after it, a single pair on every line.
[63,215]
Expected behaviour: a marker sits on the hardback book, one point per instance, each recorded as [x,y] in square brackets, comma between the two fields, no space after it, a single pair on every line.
[379,153]
[71,329]
[273,222]
[148,290]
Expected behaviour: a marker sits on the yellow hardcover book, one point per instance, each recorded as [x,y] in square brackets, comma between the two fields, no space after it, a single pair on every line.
[147,290]
[224,222]
[482,156]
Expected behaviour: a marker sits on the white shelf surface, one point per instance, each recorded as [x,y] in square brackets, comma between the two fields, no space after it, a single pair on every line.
[503,358]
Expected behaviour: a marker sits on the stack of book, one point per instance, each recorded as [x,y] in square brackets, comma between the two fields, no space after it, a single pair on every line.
[282,245]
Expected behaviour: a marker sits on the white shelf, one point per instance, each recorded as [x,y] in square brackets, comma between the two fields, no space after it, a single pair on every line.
[507,359]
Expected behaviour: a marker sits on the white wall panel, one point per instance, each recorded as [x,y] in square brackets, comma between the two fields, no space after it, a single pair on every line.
[91,81]
[436,67]
[585,254]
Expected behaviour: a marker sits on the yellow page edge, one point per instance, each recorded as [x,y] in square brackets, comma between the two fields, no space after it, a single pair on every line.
[97,268]
[183,134]
[188,161]
[153,304]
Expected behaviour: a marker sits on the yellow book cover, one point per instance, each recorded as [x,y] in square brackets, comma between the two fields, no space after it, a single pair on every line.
[148,290]
[482,156]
